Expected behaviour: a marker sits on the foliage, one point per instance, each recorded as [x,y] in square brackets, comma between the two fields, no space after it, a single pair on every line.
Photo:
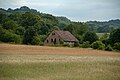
[90,36]
[77,28]
[36,40]
[29,34]
[63,21]
[108,48]
[60,45]
[105,26]
[2,16]
[9,37]
[103,36]
[9,24]
[29,19]
[20,31]
[77,44]
[115,36]
[86,44]
[66,45]
[104,29]
[117,46]
[98,45]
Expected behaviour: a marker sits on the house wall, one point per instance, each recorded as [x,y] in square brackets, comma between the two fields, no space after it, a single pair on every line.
[70,43]
[53,38]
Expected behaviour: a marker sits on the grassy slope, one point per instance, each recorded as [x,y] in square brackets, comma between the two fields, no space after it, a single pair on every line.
[59,67]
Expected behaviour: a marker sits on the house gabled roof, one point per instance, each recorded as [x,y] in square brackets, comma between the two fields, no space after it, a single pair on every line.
[66,36]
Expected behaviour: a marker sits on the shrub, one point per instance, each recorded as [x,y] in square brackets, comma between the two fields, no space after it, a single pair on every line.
[108,48]
[59,45]
[106,41]
[12,38]
[117,46]
[101,48]
[36,40]
[86,44]
[98,45]
[66,45]
[77,44]
[115,36]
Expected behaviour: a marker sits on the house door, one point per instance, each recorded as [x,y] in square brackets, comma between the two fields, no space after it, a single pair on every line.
[55,41]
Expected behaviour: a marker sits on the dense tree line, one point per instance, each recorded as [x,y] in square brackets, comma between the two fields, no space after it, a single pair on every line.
[29,23]
[105,26]
[28,26]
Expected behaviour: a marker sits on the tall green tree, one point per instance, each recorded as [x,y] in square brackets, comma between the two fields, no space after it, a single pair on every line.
[77,28]
[115,36]
[90,36]
[29,19]
[29,35]
[9,24]
[2,16]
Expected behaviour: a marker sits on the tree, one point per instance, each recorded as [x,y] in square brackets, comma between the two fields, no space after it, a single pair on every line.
[90,36]
[44,30]
[117,46]
[16,17]
[86,44]
[2,16]
[10,37]
[20,31]
[108,48]
[9,24]
[70,28]
[115,36]
[104,36]
[77,28]
[29,35]
[98,45]
[104,29]
[36,40]
[29,19]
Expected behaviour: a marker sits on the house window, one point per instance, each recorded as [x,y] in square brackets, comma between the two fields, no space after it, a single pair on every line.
[51,40]
[53,34]
[47,41]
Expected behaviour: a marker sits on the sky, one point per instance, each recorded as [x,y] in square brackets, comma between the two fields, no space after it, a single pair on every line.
[75,10]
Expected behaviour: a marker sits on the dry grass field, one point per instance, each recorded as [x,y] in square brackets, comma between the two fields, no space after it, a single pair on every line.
[23,62]
[25,49]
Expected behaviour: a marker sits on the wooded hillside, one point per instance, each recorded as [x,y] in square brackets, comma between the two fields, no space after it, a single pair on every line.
[29,26]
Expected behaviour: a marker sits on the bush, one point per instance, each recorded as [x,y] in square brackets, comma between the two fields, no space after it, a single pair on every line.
[117,46]
[105,41]
[59,45]
[101,48]
[9,37]
[66,45]
[108,48]
[98,45]
[77,44]
[115,36]
[36,40]
[86,44]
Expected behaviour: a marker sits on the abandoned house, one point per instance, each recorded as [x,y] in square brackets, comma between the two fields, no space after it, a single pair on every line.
[60,37]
